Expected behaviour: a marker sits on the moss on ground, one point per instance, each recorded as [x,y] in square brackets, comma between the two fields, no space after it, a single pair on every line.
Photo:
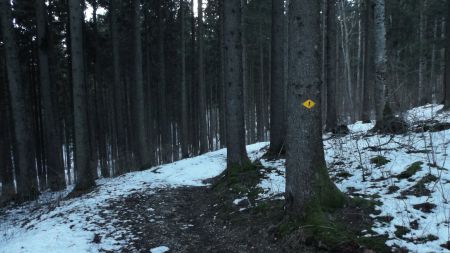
[332,221]
[240,181]
[420,189]
[400,231]
[411,170]
[335,229]
[427,238]
[379,161]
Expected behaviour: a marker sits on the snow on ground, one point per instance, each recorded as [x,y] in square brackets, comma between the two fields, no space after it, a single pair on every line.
[414,210]
[426,112]
[52,224]
[160,249]
[416,207]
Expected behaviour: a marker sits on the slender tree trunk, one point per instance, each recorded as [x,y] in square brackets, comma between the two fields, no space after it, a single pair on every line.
[119,92]
[433,78]
[53,151]
[308,186]
[84,174]
[164,122]
[236,151]
[24,152]
[380,59]
[368,81]
[331,53]
[184,94]
[245,69]
[260,90]
[101,114]
[201,83]
[139,107]
[286,61]
[251,108]
[447,61]
[6,168]
[360,63]
[348,84]
[91,93]
[422,57]
[193,89]
[222,91]
[277,130]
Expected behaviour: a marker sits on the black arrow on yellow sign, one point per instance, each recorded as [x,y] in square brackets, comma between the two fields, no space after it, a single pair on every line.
[309,104]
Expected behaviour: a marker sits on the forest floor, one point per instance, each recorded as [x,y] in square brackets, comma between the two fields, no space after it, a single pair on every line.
[178,208]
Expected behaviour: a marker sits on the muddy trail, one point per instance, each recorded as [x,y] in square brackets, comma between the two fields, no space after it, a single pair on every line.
[194,219]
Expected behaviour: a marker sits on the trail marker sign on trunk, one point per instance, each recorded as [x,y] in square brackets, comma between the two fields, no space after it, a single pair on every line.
[309,104]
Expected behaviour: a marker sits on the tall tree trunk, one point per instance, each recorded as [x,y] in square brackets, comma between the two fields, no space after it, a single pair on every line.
[222,91]
[164,122]
[184,94]
[139,107]
[368,81]
[331,53]
[6,168]
[433,78]
[193,89]
[53,151]
[380,60]
[84,173]
[259,89]
[236,152]
[308,186]
[447,61]
[245,69]
[442,56]
[251,104]
[422,97]
[348,83]
[24,152]
[360,64]
[119,97]
[277,129]
[201,83]
[101,114]
[91,93]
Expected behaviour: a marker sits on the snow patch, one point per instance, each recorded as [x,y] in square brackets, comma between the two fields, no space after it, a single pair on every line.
[52,224]
[160,249]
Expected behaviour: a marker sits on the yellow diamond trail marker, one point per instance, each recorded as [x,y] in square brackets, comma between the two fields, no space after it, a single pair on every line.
[309,104]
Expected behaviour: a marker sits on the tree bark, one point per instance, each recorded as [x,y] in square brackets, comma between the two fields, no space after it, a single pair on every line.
[331,77]
[222,91]
[201,83]
[259,90]
[119,92]
[277,130]
[6,168]
[53,150]
[433,62]
[139,106]
[164,125]
[368,81]
[345,41]
[308,186]
[184,98]
[380,59]
[447,61]
[422,97]
[236,151]
[360,63]
[24,152]
[84,173]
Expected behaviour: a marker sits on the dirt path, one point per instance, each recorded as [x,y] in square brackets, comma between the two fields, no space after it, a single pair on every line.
[191,219]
